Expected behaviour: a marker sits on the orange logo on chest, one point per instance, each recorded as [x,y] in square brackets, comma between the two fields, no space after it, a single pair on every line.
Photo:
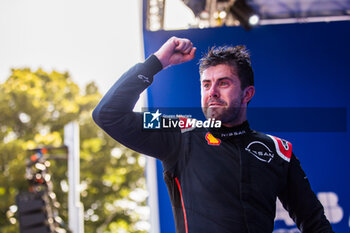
[212,140]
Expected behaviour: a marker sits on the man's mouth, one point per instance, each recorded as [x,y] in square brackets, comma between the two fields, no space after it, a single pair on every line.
[215,104]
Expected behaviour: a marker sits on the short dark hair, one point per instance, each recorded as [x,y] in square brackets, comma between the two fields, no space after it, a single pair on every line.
[237,57]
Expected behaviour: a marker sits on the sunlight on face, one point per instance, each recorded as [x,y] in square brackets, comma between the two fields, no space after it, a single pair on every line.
[221,93]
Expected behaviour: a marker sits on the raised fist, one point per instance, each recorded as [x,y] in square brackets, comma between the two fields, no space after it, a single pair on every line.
[175,51]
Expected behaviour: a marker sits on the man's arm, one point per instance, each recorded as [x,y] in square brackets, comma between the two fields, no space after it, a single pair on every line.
[301,202]
[114,114]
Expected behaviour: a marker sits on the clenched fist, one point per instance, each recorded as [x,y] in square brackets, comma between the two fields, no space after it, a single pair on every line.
[175,51]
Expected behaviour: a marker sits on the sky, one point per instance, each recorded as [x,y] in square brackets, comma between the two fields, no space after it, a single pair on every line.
[92,40]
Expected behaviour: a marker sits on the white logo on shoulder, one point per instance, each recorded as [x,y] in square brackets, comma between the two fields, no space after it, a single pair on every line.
[143,78]
[260,151]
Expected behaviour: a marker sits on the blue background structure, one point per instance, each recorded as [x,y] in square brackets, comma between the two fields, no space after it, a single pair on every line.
[302,91]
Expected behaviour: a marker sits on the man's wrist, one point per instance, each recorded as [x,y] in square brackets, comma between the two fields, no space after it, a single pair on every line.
[153,64]
[161,60]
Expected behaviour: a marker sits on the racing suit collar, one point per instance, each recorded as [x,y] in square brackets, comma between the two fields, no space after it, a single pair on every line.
[229,132]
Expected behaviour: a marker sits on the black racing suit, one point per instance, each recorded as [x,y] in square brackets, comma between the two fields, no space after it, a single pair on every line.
[224,180]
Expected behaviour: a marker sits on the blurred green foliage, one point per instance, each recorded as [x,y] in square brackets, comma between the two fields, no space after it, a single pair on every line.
[34,107]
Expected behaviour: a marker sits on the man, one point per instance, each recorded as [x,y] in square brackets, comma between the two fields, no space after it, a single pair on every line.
[222,179]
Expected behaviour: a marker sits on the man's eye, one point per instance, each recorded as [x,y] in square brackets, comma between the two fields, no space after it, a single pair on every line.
[206,85]
[223,83]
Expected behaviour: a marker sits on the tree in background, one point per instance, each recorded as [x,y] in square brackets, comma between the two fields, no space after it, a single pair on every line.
[34,108]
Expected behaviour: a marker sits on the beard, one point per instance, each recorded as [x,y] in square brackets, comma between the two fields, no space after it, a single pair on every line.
[225,114]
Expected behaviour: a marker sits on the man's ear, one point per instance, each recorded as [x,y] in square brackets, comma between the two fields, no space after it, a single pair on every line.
[248,94]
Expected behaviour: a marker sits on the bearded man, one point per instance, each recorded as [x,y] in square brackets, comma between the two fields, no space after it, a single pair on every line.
[222,179]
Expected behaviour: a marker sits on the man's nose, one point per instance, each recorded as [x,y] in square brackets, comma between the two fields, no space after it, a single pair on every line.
[213,92]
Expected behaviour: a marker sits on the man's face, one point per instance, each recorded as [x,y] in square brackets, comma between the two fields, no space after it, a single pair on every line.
[221,93]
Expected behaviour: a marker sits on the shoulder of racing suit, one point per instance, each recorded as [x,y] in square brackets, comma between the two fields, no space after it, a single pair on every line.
[281,147]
